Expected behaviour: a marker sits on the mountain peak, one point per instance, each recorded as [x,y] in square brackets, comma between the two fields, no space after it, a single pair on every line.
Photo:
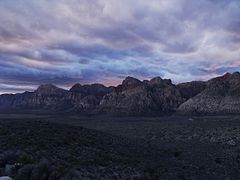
[159,81]
[76,87]
[230,75]
[44,86]
[131,81]
[96,89]
[156,80]
[228,78]
[80,88]
[47,89]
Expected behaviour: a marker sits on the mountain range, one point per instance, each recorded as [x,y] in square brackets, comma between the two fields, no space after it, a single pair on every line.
[220,95]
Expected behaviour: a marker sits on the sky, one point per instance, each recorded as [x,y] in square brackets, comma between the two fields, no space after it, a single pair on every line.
[64,42]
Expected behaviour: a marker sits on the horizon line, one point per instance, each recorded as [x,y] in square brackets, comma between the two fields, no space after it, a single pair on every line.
[67,88]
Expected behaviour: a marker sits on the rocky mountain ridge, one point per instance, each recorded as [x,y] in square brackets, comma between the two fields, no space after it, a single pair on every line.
[134,97]
[221,96]
[51,98]
[157,96]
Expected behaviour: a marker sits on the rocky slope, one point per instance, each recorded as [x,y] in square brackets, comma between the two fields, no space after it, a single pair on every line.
[135,97]
[157,96]
[191,89]
[221,96]
[51,98]
[85,97]
[45,97]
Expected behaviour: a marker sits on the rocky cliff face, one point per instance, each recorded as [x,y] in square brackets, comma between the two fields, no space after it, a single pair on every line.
[85,97]
[51,98]
[45,97]
[158,96]
[134,97]
[221,96]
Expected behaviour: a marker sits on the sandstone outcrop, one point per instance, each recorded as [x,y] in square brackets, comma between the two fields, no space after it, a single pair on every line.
[135,97]
[221,96]
[157,96]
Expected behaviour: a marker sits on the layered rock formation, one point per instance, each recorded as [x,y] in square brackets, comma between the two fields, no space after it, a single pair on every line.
[51,98]
[221,96]
[45,97]
[158,96]
[135,97]
[85,97]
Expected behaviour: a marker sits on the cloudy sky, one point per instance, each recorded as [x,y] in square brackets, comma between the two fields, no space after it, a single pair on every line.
[68,41]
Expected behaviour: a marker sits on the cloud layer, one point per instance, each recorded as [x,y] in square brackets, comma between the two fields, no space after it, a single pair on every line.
[69,41]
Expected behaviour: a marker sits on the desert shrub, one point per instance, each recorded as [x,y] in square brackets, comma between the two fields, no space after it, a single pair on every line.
[9,157]
[40,171]
[25,172]
[25,159]
[71,175]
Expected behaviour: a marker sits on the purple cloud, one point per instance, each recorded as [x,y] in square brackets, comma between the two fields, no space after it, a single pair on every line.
[69,41]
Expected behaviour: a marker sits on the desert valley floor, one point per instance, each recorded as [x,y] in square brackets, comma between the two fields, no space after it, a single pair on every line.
[66,147]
